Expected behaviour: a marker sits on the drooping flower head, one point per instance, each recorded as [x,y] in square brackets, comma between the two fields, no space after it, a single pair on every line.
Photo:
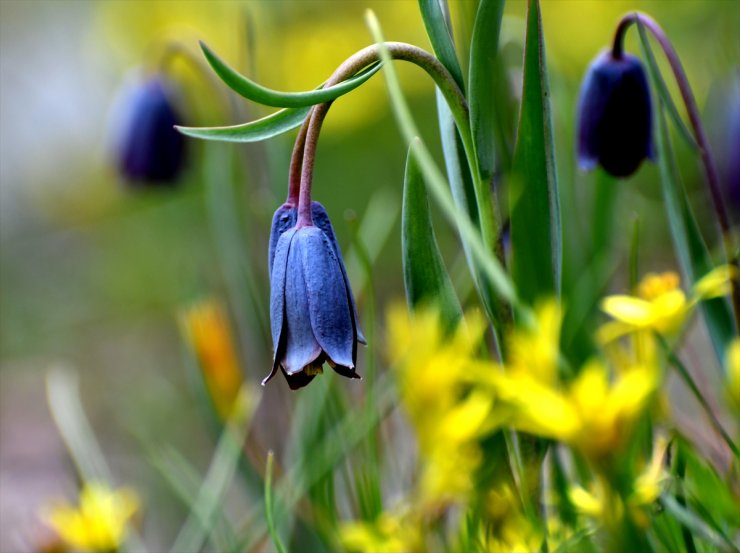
[148,149]
[615,115]
[312,309]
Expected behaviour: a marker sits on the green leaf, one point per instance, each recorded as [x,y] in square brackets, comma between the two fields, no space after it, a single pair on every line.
[267,127]
[659,84]
[265,96]
[424,272]
[695,524]
[268,506]
[692,252]
[535,214]
[485,80]
[441,39]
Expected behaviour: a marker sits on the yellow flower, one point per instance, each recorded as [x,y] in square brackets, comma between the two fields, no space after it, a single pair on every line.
[660,304]
[391,532]
[733,374]
[607,505]
[592,413]
[206,328]
[98,524]
[436,373]
[535,351]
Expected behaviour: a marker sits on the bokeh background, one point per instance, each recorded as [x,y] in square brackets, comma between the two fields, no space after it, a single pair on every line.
[94,274]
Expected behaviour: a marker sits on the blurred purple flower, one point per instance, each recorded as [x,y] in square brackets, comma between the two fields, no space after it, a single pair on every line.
[312,309]
[615,116]
[148,149]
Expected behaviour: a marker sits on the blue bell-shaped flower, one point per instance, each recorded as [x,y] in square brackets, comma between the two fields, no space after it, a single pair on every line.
[312,309]
[615,115]
[148,149]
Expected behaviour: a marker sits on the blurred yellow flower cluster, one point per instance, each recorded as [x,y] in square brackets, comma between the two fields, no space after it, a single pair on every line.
[98,523]
[455,400]
[435,382]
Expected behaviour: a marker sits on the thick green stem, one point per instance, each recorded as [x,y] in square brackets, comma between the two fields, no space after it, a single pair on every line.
[455,100]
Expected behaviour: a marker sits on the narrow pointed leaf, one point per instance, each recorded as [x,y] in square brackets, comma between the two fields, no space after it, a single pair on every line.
[660,86]
[424,272]
[267,127]
[535,213]
[691,250]
[441,39]
[484,83]
[268,97]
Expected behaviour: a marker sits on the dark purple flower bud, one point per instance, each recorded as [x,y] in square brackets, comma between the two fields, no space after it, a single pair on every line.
[311,306]
[615,116]
[148,149]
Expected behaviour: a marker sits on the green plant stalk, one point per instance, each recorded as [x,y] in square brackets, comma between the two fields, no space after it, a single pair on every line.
[710,169]
[268,506]
[455,100]
[689,381]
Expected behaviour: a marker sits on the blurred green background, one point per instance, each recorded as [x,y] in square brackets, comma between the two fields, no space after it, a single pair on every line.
[92,274]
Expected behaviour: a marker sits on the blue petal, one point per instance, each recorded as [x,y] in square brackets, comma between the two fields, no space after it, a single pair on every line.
[301,347]
[277,298]
[321,220]
[283,219]
[328,305]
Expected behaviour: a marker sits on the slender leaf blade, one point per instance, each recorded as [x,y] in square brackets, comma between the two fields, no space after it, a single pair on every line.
[691,250]
[255,131]
[660,86]
[256,92]
[424,272]
[535,215]
[484,86]
[439,35]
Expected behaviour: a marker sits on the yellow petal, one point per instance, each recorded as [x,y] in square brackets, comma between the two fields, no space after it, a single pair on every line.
[633,311]
[716,283]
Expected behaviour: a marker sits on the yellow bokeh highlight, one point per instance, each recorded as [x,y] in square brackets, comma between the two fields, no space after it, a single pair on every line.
[98,523]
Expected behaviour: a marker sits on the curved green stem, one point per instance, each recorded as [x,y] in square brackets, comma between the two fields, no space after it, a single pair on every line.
[452,95]
[710,169]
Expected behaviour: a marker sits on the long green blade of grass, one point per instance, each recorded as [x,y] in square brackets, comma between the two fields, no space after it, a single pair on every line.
[535,213]
[484,97]
[424,272]
[204,511]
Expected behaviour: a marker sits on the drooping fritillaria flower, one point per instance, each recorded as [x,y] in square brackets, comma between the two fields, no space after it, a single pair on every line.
[312,308]
[148,149]
[615,115]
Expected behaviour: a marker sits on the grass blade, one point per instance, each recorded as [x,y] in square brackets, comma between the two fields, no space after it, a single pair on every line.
[253,91]
[424,272]
[660,86]
[268,506]
[535,216]
[484,80]
[218,478]
[441,39]
[490,266]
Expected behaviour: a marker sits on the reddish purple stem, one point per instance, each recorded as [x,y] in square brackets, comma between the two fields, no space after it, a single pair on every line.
[710,169]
